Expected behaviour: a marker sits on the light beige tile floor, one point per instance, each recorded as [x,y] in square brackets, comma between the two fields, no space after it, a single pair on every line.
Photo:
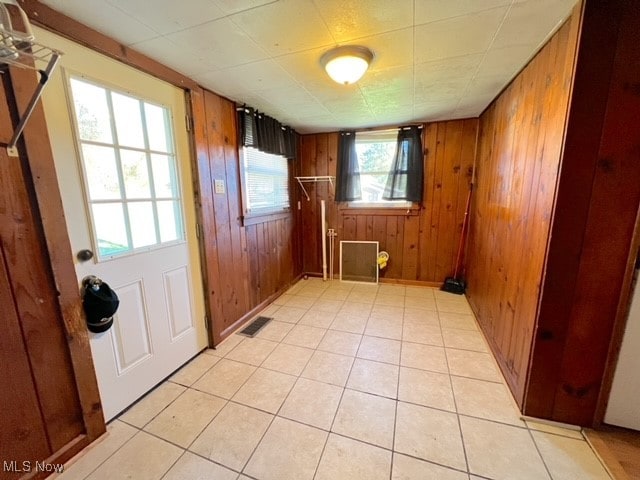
[347,382]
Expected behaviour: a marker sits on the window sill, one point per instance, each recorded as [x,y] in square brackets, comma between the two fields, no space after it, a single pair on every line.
[378,209]
[256,218]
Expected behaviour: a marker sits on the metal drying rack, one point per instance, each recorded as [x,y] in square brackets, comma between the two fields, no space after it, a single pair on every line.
[314,179]
[18,52]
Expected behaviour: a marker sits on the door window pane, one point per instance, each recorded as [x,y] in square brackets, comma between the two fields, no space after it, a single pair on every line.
[128,121]
[111,231]
[155,117]
[142,221]
[164,179]
[92,112]
[168,213]
[101,171]
[135,174]
[131,187]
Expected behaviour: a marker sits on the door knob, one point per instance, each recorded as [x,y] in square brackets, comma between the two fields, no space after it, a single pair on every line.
[84,255]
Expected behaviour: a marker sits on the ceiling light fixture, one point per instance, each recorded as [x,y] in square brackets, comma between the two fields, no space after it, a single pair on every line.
[347,64]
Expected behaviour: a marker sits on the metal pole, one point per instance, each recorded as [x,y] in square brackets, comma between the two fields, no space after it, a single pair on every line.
[44,78]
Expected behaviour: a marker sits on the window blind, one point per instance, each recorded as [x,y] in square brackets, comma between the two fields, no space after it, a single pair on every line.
[266,181]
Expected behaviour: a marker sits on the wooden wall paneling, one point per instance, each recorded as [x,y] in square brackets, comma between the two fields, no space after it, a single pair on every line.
[430,137]
[322,189]
[273,249]
[23,434]
[206,214]
[411,242]
[438,160]
[255,290]
[233,196]
[449,194]
[508,212]
[534,82]
[332,208]
[570,393]
[225,280]
[309,238]
[555,91]
[467,156]
[263,261]
[519,153]
[53,325]
[410,238]
[394,265]
[572,204]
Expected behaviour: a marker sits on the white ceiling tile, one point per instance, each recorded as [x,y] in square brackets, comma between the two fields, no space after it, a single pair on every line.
[447,69]
[356,105]
[394,118]
[260,75]
[430,112]
[434,10]
[327,91]
[350,19]
[380,100]
[167,16]
[182,59]
[473,106]
[289,95]
[389,80]
[266,53]
[221,41]
[285,27]
[486,85]
[234,6]
[457,36]
[506,61]
[393,49]
[105,18]
[305,66]
[532,22]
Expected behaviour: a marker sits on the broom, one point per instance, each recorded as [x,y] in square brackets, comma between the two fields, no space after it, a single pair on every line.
[454,284]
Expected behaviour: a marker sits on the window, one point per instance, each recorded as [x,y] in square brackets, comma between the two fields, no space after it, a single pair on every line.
[266,182]
[129,166]
[375,151]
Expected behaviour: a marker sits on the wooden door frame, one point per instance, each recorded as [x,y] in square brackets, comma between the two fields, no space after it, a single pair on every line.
[619,326]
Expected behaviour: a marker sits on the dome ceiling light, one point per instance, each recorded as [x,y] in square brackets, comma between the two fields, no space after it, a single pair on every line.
[346,64]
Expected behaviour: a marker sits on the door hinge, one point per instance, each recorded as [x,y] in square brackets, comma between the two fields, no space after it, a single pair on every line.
[188,120]
[197,230]
[206,322]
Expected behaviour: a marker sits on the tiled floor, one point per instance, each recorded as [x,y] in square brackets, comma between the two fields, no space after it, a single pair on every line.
[347,382]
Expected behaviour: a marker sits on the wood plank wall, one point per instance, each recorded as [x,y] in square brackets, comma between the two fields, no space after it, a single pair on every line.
[422,243]
[244,266]
[521,138]
[584,300]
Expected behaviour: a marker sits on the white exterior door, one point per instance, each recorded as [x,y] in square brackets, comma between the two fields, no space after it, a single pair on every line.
[623,408]
[122,159]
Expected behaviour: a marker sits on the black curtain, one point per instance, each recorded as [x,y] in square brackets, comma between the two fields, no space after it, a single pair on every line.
[265,133]
[348,172]
[407,172]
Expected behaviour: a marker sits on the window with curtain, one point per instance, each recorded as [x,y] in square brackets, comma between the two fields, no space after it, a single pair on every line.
[381,168]
[265,182]
[266,146]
